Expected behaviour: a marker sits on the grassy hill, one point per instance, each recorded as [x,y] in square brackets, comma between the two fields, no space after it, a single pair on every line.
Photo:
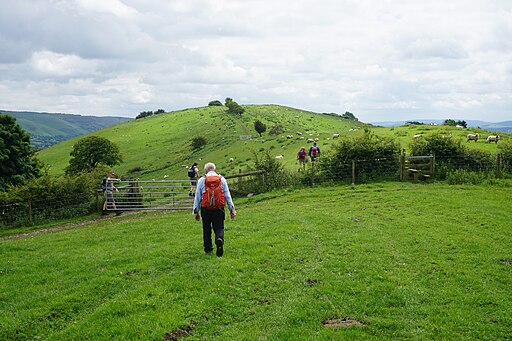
[161,144]
[398,260]
[47,129]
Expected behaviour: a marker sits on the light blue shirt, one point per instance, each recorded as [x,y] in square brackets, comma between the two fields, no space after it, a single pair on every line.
[200,190]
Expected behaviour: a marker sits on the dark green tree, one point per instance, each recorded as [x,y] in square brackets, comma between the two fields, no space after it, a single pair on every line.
[349,116]
[260,127]
[198,142]
[144,114]
[17,158]
[92,151]
[159,111]
[233,107]
[215,103]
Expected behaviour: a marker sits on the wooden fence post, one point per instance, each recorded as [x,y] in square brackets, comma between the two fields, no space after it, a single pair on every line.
[30,219]
[353,172]
[498,165]
[312,173]
[402,167]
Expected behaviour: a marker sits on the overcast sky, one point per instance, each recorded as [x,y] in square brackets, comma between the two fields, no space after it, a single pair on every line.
[379,59]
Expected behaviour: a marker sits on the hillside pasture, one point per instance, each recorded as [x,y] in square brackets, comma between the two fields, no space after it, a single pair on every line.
[387,261]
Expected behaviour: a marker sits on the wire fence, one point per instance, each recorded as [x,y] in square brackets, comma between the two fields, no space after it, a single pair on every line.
[136,195]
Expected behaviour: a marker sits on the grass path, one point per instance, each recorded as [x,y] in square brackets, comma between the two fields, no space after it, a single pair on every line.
[405,260]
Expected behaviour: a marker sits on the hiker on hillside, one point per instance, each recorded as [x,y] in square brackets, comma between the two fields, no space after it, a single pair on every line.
[193,174]
[301,156]
[109,191]
[314,152]
[211,195]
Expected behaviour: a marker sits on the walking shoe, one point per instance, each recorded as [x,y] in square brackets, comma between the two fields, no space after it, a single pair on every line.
[220,247]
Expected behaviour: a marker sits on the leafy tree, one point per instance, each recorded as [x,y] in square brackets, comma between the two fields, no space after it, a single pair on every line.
[349,116]
[453,123]
[233,107]
[215,103]
[198,142]
[92,151]
[159,111]
[415,123]
[17,158]
[260,127]
[144,114]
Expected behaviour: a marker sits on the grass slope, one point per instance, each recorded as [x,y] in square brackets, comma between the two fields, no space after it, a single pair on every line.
[160,145]
[409,261]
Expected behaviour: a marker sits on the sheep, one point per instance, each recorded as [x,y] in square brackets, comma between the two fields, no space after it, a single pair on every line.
[231,159]
[289,136]
[279,157]
[317,139]
[310,140]
[473,137]
[493,138]
[449,136]
[459,126]
[418,136]
[335,136]
[298,133]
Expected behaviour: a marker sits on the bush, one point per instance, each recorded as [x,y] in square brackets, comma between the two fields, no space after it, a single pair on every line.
[198,142]
[215,103]
[46,199]
[461,177]
[375,156]
[276,130]
[505,149]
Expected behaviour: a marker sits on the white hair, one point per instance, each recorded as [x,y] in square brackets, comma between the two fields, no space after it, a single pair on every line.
[210,166]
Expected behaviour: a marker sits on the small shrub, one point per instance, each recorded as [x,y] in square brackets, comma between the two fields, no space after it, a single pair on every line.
[198,142]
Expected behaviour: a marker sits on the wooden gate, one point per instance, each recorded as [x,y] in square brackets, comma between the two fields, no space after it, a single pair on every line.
[417,167]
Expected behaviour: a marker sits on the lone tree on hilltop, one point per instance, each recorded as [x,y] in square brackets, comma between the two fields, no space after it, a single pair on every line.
[234,107]
[215,103]
[17,158]
[92,151]
[349,116]
[260,127]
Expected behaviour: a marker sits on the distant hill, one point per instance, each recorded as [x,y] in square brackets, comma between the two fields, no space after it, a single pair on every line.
[505,126]
[47,129]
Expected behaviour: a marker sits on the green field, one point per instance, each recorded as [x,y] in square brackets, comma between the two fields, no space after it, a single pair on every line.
[405,261]
[161,144]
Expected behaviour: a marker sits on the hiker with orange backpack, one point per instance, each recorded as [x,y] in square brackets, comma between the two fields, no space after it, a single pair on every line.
[212,194]
[314,152]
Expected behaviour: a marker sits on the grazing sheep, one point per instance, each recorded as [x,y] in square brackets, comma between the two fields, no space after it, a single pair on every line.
[231,159]
[415,137]
[289,136]
[493,138]
[299,133]
[317,139]
[279,157]
[335,136]
[473,137]
[459,126]
[310,140]
[166,176]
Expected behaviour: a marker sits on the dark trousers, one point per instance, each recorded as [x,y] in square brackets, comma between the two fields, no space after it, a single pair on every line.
[212,220]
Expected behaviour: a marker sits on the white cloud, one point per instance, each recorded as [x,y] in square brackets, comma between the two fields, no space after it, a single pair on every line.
[380,60]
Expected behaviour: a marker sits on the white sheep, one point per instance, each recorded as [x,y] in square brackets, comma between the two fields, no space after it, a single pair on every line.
[317,139]
[310,140]
[335,136]
[493,138]
[418,136]
[298,133]
[289,136]
[473,137]
[459,126]
[279,157]
[231,159]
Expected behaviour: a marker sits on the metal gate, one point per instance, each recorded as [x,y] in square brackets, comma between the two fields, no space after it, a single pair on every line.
[136,195]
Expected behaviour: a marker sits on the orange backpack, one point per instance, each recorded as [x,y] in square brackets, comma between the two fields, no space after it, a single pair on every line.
[213,196]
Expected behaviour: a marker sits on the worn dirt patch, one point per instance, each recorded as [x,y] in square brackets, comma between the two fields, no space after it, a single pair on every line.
[178,333]
[343,322]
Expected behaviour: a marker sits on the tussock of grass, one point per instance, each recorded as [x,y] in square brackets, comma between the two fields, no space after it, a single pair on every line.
[403,260]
